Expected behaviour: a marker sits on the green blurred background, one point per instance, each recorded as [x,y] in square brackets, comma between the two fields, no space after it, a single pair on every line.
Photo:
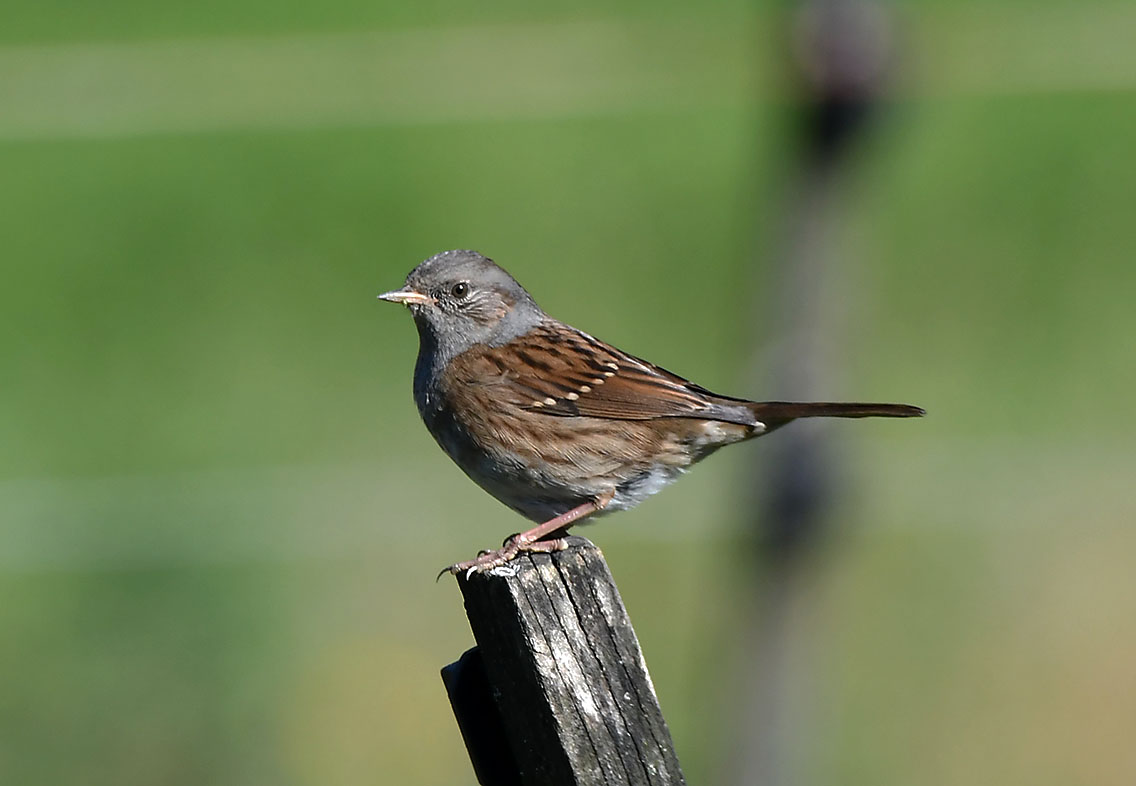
[220,517]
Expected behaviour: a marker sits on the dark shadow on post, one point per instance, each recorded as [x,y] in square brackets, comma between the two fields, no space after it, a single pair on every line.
[558,692]
[481,725]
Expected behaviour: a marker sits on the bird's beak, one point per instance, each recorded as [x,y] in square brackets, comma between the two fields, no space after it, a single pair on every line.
[407,297]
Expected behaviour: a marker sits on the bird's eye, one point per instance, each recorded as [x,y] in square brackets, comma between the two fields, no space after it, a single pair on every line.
[459,290]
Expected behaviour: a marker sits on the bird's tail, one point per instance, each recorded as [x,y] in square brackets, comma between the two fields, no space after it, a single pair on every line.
[777,413]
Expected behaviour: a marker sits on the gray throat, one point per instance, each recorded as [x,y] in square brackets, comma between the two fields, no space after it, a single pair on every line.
[438,347]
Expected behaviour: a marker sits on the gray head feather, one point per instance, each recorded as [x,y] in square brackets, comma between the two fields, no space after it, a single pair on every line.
[474,302]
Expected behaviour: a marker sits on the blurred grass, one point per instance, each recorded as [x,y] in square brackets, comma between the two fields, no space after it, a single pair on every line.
[219,516]
[27,21]
[246,294]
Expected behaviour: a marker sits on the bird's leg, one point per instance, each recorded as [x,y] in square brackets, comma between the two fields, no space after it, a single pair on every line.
[533,540]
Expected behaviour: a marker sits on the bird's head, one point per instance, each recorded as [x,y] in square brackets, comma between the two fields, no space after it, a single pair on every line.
[461,298]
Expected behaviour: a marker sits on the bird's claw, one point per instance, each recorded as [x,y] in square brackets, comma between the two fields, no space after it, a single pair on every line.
[487,562]
[495,563]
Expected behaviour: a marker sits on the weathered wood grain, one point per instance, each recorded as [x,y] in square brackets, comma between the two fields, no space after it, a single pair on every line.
[563,663]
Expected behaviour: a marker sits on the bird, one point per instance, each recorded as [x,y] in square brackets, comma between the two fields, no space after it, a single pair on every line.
[552,422]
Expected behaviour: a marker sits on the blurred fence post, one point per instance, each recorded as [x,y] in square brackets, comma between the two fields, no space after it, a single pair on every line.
[556,691]
[841,53]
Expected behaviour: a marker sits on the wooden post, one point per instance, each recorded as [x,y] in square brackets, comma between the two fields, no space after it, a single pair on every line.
[556,691]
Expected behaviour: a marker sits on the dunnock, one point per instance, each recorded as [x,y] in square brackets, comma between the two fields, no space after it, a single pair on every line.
[552,422]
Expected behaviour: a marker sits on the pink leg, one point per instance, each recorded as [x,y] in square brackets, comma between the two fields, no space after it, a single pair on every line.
[530,540]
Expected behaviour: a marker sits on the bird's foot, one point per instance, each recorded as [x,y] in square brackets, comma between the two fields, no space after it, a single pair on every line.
[496,561]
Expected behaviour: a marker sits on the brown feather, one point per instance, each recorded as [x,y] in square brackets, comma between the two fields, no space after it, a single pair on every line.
[565,372]
[777,413]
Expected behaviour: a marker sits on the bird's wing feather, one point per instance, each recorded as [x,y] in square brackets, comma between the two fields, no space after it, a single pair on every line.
[560,371]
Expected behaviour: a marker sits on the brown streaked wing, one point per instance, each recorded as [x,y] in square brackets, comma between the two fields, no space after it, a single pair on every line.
[565,372]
